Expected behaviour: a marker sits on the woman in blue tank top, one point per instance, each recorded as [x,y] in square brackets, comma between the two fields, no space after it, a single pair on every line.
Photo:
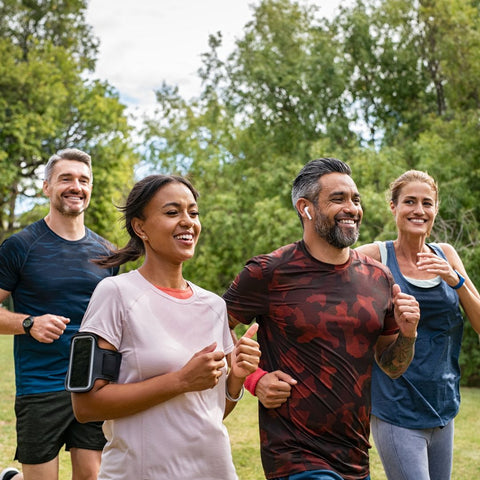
[413,416]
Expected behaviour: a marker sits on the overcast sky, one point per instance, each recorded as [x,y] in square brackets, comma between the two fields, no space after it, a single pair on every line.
[146,42]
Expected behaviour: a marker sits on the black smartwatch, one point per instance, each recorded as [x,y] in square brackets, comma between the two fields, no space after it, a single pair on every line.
[27,325]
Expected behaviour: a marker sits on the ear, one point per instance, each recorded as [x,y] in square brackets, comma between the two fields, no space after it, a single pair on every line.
[45,188]
[137,226]
[301,204]
[392,207]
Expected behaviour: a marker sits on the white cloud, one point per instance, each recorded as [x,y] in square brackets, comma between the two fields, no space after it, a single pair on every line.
[146,42]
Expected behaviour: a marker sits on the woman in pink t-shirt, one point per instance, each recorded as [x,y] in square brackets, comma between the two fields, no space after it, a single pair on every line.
[180,371]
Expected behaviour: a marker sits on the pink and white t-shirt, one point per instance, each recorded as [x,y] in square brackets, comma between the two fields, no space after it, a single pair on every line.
[157,333]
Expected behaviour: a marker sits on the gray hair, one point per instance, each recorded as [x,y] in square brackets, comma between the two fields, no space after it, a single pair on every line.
[306,185]
[67,154]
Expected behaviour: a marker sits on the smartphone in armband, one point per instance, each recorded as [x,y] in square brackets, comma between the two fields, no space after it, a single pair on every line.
[88,362]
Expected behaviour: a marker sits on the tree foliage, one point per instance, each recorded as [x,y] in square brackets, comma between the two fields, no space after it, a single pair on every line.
[49,101]
[387,85]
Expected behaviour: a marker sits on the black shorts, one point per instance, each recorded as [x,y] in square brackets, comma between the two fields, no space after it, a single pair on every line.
[45,422]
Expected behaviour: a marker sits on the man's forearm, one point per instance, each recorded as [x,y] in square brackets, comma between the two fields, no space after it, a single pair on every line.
[10,322]
[396,358]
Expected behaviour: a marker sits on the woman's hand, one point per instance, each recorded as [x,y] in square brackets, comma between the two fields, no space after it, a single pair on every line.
[429,262]
[246,354]
[203,370]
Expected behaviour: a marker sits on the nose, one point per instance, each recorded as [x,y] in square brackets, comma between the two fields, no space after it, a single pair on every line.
[75,184]
[352,206]
[419,210]
[186,220]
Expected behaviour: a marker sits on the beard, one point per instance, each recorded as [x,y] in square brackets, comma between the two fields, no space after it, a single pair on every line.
[334,234]
[65,210]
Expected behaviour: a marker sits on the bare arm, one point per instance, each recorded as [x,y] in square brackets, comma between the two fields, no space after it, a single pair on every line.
[109,400]
[10,322]
[371,250]
[46,328]
[395,352]
[274,388]
[243,361]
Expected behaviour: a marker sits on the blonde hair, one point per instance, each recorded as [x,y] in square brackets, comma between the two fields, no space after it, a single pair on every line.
[409,177]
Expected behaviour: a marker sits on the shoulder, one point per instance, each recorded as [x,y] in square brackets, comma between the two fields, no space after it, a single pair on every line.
[202,292]
[259,270]
[370,262]
[209,298]
[108,285]
[98,239]
[444,247]
[31,232]
[371,250]
[125,282]
[27,237]
[121,289]
[448,251]
[280,256]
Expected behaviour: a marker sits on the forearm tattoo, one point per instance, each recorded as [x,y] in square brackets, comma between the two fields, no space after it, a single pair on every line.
[395,359]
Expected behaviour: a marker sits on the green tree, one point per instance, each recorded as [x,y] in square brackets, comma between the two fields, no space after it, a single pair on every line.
[250,131]
[49,101]
[386,86]
[414,66]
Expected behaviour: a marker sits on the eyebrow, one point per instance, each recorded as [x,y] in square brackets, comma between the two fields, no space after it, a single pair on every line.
[414,197]
[68,175]
[176,204]
[344,193]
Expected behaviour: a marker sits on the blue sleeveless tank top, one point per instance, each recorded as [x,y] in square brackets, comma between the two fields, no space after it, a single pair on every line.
[427,395]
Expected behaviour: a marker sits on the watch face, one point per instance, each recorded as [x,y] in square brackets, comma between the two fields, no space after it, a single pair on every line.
[28,322]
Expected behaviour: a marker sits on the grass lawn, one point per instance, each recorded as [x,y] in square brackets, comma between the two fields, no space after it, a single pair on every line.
[243,427]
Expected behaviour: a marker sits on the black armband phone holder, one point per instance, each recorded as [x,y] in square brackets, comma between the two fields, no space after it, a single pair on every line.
[88,362]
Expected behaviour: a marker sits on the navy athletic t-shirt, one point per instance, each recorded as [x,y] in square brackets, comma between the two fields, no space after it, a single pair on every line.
[48,274]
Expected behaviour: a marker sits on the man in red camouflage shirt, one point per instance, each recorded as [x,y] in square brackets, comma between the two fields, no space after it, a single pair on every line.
[325,314]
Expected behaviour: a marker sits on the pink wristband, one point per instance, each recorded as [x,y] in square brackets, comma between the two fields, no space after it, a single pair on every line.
[252,380]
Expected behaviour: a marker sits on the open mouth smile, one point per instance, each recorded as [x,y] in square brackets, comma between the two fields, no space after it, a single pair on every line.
[184,237]
[419,221]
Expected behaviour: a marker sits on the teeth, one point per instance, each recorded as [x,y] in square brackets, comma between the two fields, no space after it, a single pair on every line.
[184,237]
[348,222]
[417,220]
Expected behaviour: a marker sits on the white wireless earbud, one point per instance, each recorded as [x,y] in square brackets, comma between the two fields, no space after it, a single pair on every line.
[307,213]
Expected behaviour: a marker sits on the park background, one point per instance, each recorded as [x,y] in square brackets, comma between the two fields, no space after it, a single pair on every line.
[386,85]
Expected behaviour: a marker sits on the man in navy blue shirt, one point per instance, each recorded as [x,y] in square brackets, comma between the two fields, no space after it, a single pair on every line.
[47,270]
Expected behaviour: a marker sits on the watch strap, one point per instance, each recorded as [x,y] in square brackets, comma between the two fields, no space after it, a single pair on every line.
[28,324]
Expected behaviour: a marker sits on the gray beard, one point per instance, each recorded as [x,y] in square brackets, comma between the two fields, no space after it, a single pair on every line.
[334,235]
[68,213]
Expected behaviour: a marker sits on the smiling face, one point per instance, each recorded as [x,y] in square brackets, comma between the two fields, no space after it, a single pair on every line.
[415,209]
[69,187]
[170,226]
[338,213]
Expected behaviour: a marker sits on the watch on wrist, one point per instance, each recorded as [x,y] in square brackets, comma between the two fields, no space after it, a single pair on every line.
[27,325]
